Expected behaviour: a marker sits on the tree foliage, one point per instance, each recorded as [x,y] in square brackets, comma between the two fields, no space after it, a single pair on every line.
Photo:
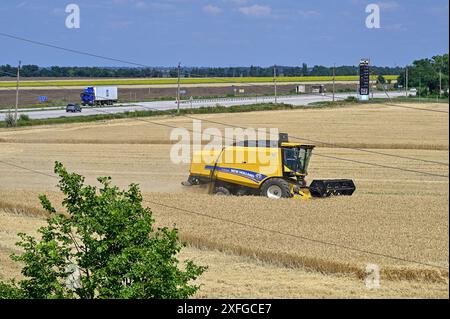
[428,75]
[106,246]
[187,72]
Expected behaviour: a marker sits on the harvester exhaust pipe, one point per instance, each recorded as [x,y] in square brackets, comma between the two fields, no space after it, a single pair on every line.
[337,187]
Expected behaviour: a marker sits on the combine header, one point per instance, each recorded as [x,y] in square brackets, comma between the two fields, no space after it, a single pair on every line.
[275,169]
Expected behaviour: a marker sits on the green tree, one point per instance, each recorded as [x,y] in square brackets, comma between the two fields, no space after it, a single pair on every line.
[428,75]
[104,247]
[304,69]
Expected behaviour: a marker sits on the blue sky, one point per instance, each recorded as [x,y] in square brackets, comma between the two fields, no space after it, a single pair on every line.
[225,32]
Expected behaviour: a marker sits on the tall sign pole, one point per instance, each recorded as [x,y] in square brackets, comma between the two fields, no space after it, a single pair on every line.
[364,79]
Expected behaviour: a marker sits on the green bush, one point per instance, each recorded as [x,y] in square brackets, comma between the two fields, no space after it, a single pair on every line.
[10,120]
[351,99]
[104,247]
[24,117]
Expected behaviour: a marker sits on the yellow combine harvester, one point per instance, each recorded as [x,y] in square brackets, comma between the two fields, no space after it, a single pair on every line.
[275,169]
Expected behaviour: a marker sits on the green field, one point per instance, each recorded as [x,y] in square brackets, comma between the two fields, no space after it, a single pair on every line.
[159,81]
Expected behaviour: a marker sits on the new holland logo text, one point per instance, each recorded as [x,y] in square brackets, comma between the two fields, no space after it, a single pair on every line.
[256,177]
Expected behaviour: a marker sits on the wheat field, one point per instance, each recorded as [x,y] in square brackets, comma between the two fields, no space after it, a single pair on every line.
[232,276]
[394,213]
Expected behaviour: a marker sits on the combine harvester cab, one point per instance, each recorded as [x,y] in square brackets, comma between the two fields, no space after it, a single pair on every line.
[274,169]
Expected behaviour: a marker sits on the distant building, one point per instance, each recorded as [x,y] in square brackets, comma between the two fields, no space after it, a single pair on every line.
[300,89]
[318,89]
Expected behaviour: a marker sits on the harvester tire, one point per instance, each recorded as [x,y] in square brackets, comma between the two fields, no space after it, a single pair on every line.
[222,191]
[276,188]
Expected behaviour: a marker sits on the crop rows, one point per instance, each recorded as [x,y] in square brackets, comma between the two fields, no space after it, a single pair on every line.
[167,81]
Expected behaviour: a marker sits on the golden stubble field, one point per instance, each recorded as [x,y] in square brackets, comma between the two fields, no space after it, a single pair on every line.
[394,213]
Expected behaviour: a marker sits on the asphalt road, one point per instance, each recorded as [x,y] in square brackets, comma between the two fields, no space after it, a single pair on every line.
[168,105]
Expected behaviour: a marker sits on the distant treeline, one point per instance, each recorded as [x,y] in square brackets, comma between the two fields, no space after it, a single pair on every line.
[252,71]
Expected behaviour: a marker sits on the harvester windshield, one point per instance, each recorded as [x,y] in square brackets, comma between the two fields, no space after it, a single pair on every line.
[297,159]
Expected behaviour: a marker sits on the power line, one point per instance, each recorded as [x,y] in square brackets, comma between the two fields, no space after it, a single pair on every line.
[178,99]
[336,158]
[82,52]
[372,152]
[222,219]
[342,159]
[317,241]
[304,238]
[256,227]
[137,64]
[125,61]
[27,169]
[321,142]
[397,105]
[409,107]
[294,137]
[71,50]
[416,108]
[382,166]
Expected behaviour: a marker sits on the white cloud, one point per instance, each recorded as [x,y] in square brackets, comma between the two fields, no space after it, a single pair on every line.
[150,5]
[120,24]
[389,5]
[211,9]
[438,10]
[309,14]
[256,11]
[396,27]
[58,12]
[240,2]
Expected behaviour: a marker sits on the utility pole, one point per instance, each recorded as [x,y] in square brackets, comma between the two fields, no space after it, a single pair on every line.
[407,80]
[440,82]
[17,93]
[275,83]
[334,81]
[420,86]
[178,88]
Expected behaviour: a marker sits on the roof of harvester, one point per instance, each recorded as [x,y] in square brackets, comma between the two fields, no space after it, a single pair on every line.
[270,143]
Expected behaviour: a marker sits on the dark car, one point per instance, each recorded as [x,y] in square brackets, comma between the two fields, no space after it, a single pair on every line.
[73,108]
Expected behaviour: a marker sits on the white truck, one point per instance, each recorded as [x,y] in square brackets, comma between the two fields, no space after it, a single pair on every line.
[99,95]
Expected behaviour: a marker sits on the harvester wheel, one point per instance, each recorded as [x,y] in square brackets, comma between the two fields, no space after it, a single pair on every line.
[222,191]
[276,188]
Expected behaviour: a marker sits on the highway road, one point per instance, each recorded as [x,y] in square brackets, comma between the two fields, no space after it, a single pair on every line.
[296,100]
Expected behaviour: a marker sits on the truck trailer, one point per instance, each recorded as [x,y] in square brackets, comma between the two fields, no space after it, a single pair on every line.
[99,95]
